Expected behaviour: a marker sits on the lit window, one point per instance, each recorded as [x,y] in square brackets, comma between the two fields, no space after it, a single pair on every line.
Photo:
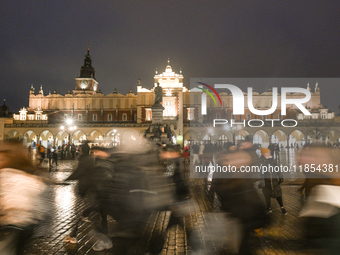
[124,117]
[248,116]
[323,115]
[148,115]
[22,116]
[95,117]
[191,113]
[109,117]
[170,107]
[38,116]
[80,117]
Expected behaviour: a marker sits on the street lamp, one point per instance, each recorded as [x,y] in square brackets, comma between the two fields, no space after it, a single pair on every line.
[70,128]
[233,129]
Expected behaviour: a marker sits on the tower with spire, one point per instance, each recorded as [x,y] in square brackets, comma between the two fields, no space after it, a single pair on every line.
[86,81]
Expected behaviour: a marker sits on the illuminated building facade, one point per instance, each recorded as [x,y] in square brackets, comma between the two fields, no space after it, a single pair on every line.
[119,118]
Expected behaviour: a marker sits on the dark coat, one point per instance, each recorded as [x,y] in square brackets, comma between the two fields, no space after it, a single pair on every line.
[272,181]
[238,197]
[83,174]
[182,191]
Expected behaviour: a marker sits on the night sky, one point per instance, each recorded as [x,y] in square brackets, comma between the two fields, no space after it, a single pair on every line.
[44,43]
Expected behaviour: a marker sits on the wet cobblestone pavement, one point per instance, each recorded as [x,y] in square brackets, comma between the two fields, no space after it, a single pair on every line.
[282,236]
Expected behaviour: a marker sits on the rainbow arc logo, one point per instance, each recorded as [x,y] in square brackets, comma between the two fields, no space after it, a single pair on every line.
[209,93]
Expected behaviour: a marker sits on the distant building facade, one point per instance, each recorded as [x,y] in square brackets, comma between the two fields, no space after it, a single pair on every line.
[119,118]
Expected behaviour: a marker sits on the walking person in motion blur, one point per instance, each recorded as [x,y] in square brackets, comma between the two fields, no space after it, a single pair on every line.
[321,211]
[238,196]
[272,182]
[23,203]
[171,156]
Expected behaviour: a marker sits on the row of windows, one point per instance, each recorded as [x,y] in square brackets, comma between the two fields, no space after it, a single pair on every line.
[218,116]
[322,115]
[80,104]
[24,116]
[109,117]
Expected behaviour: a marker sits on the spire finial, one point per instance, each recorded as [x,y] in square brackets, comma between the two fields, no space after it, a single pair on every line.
[88,48]
[180,70]
[156,71]
[168,61]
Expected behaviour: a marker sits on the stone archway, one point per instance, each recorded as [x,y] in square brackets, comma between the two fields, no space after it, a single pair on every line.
[279,137]
[261,139]
[241,135]
[129,136]
[296,139]
[189,137]
[114,135]
[224,137]
[332,137]
[61,138]
[46,138]
[96,135]
[13,134]
[78,136]
[30,138]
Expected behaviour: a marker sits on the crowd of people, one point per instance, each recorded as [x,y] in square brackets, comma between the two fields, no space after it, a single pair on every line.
[129,183]
[53,153]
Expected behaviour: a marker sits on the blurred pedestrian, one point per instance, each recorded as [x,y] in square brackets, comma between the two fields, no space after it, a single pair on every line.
[321,211]
[73,150]
[171,156]
[238,196]
[201,150]
[83,174]
[23,204]
[195,151]
[55,155]
[272,181]
[49,155]
[85,148]
[40,153]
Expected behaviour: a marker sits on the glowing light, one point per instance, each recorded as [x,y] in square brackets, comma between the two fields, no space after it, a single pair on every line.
[69,121]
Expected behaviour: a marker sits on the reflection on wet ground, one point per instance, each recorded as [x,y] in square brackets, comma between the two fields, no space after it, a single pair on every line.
[283,236]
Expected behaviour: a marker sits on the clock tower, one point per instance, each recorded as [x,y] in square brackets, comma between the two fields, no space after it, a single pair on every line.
[86,81]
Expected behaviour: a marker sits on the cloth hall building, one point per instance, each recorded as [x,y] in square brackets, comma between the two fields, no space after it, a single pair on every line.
[85,113]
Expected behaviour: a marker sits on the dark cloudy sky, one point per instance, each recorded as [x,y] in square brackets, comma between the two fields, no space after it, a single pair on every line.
[44,42]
